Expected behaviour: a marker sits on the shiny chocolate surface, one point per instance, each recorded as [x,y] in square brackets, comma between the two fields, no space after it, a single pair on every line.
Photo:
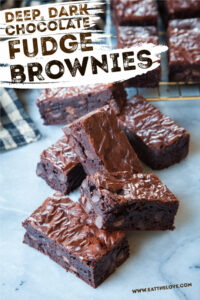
[184,41]
[177,5]
[132,9]
[129,36]
[65,222]
[138,186]
[60,155]
[64,93]
[104,142]
[148,123]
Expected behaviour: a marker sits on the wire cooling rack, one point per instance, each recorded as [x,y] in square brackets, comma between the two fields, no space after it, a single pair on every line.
[166,91]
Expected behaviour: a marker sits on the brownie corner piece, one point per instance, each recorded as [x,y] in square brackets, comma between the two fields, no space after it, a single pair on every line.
[134,13]
[158,141]
[60,229]
[60,167]
[101,144]
[179,9]
[184,50]
[141,202]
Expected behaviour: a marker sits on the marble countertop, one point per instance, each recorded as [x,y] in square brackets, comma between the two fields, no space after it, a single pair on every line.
[156,258]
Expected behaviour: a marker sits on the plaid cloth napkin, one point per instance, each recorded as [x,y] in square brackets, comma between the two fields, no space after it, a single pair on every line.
[16,128]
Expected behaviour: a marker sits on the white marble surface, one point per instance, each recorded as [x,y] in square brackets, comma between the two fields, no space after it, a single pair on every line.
[158,258]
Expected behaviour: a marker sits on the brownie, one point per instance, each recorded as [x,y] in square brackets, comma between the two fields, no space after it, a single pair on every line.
[134,12]
[64,105]
[60,167]
[157,139]
[101,144]
[179,9]
[184,50]
[140,202]
[62,230]
[129,36]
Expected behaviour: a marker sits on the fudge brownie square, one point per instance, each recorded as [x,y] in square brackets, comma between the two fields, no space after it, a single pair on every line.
[101,144]
[134,12]
[129,36]
[157,139]
[60,167]
[179,9]
[62,230]
[184,50]
[140,202]
[64,105]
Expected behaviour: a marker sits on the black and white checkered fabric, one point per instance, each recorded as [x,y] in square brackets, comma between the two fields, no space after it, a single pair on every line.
[16,128]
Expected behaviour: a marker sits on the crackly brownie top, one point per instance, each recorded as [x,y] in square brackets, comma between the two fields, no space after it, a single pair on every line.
[192,24]
[65,222]
[128,36]
[178,5]
[60,155]
[69,92]
[184,41]
[137,187]
[134,9]
[106,140]
[154,128]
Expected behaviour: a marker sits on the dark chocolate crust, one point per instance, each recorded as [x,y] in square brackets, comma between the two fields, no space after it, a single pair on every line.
[157,139]
[179,9]
[140,202]
[128,36]
[184,50]
[134,13]
[60,167]
[60,229]
[64,105]
[101,144]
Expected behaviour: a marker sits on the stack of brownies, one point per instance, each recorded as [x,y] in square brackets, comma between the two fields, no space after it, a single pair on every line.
[182,17]
[104,140]
[105,136]
[136,22]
